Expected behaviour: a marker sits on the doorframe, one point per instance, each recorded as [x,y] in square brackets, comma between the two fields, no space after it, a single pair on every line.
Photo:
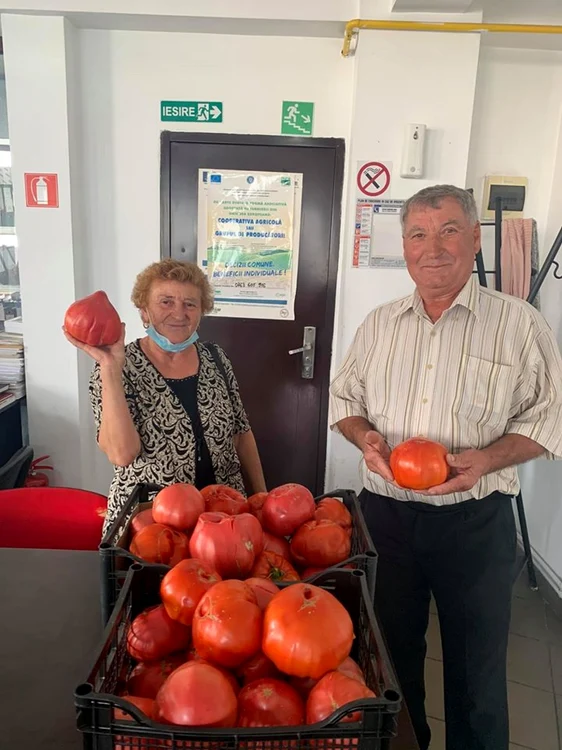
[337,145]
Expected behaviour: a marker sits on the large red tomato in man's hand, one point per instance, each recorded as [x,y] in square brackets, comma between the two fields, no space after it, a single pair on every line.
[418,464]
[229,544]
[270,703]
[179,506]
[184,585]
[286,508]
[93,321]
[197,695]
[227,625]
[333,691]
[295,635]
[153,635]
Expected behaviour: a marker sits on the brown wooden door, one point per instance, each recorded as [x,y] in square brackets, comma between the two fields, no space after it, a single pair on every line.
[288,413]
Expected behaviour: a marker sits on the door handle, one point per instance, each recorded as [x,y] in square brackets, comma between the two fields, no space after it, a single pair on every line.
[308,350]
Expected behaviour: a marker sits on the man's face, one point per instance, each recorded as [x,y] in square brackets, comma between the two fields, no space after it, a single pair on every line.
[439,247]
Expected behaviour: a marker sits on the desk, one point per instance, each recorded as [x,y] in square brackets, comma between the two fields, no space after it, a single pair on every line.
[50,629]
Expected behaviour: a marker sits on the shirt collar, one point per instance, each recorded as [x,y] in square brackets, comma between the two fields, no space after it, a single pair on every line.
[468,297]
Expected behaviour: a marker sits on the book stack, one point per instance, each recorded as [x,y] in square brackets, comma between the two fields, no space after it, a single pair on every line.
[12,374]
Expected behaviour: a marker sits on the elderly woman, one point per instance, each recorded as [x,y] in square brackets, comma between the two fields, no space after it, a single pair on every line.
[167,407]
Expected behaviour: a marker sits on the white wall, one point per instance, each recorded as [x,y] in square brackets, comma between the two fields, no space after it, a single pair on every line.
[400,79]
[518,130]
[516,123]
[121,95]
[39,135]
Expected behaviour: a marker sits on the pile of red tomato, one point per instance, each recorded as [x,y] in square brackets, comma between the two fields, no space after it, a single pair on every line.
[227,650]
[281,535]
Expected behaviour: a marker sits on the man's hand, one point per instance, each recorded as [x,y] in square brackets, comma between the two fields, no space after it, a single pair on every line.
[377,453]
[466,469]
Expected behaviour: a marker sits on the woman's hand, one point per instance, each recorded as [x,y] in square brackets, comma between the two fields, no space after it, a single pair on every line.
[109,357]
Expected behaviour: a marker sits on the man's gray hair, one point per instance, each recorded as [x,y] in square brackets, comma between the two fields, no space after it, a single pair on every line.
[431,197]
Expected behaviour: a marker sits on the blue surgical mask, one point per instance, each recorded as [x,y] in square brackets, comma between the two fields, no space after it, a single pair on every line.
[166,345]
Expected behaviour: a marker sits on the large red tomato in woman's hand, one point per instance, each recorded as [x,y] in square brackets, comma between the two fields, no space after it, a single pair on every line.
[157,543]
[270,703]
[227,626]
[331,509]
[419,464]
[184,585]
[286,508]
[179,506]
[219,498]
[320,543]
[153,635]
[148,677]
[197,695]
[93,321]
[229,544]
[333,691]
[274,567]
[295,633]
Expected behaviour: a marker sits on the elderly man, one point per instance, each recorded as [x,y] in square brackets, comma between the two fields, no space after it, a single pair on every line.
[480,372]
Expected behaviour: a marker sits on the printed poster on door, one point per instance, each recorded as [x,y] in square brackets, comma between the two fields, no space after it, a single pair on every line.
[248,241]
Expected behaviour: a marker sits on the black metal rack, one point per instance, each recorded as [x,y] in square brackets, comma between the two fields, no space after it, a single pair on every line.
[537,279]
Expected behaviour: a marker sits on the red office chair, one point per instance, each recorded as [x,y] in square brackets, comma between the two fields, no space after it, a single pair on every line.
[51,518]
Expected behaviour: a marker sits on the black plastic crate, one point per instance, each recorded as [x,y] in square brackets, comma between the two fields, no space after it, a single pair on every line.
[95,699]
[116,558]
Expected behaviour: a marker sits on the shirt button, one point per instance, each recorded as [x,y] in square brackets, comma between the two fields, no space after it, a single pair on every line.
[429,367]
[424,401]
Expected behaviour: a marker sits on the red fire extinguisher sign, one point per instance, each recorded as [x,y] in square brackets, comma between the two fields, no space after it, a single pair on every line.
[41,190]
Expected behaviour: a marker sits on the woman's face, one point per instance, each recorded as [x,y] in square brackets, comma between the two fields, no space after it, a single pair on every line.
[174,309]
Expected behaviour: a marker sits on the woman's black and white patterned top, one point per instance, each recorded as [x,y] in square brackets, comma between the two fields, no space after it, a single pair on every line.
[166,432]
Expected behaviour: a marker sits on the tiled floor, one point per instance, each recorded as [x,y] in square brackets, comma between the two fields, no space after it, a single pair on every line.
[534,671]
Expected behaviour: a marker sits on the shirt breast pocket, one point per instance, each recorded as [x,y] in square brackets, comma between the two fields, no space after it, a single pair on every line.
[485,392]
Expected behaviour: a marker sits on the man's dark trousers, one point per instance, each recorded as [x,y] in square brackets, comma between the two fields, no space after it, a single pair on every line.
[465,555]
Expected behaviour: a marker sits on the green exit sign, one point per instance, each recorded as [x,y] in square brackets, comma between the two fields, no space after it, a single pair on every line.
[191,111]
[297,118]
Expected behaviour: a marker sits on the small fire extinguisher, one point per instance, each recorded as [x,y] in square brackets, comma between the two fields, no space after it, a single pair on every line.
[37,478]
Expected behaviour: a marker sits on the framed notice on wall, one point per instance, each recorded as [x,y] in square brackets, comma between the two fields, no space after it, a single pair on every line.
[248,241]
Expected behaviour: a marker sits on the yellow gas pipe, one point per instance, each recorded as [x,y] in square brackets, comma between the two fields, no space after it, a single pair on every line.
[352,27]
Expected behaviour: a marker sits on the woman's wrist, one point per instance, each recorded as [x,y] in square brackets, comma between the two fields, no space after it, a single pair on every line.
[111,373]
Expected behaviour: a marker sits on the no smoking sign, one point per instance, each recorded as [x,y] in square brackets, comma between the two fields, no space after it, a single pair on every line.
[373,179]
